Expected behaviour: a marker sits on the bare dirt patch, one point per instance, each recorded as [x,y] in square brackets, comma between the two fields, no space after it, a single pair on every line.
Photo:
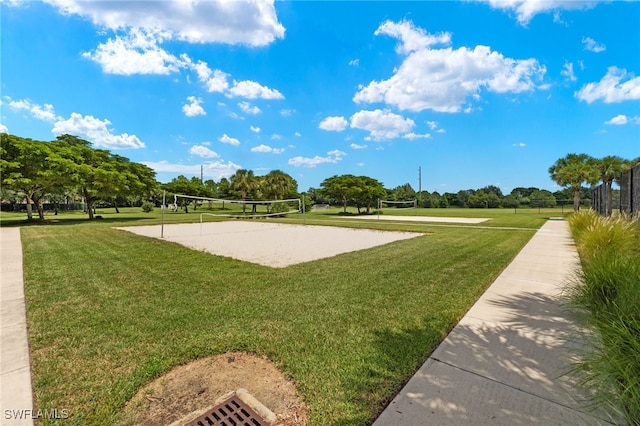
[199,384]
[272,244]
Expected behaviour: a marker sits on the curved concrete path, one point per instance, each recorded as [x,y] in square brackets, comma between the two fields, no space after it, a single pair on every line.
[504,363]
[16,401]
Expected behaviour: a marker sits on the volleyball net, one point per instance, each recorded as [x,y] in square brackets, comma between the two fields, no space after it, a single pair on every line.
[393,204]
[232,208]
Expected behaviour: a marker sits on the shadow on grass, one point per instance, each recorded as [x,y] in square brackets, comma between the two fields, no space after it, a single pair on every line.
[514,371]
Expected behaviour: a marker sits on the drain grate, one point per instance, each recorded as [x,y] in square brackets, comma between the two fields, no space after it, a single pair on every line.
[232,412]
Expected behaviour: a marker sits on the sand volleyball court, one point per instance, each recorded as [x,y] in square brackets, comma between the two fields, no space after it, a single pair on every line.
[271,244]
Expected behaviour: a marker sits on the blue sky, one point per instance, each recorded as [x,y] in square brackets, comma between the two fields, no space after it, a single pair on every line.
[475,93]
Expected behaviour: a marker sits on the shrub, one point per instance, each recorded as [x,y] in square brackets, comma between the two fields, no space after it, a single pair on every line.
[608,289]
[147,207]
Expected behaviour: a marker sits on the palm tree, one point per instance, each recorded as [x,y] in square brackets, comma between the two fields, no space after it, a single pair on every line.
[277,184]
[244,181]
[609,168]
[572,171]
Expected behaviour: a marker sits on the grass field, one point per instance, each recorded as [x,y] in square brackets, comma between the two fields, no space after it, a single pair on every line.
[108,311]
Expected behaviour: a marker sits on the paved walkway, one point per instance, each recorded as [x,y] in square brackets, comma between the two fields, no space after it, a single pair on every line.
[503,364]
[15,374]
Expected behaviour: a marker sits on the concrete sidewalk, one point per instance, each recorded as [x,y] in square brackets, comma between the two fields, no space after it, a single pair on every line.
[16,400]
[504,363]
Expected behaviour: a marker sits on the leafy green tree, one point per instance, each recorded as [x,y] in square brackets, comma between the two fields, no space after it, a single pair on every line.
[609,168]
[542,198]
[492,188]
[511,202]
[371,191]
[463,198]
[243,181]
[522,192]
[571,172]
[27,169]
[345,188]
[278,184]
[403,193]
[99,174]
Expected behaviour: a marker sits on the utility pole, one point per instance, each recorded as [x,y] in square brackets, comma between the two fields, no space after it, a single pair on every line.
[201,173]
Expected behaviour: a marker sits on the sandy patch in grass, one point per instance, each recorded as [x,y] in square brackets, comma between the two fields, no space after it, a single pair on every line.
[271,244]
[195,386]
[423,218]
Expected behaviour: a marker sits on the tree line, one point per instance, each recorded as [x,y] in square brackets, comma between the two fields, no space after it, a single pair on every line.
[70,167]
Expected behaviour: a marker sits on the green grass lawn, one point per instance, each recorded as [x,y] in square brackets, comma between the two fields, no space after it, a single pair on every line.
[108,311]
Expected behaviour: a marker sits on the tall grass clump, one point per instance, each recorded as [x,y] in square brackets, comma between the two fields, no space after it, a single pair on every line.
[608,291]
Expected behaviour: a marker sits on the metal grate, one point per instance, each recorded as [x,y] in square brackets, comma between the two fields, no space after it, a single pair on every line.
[232,412]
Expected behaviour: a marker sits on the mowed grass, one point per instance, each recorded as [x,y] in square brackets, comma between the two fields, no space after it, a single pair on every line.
[108,311]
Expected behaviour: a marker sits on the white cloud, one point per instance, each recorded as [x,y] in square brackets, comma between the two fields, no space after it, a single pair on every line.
[267,149]
[203,151]
[135,53]
[216,170]
[253,23]
[332,157]
[276,137]
[356,146]
[525,10]
[441,131]
[413,38]
[354,62]
[194,108]
[592,45]
[255,129]
[611,88]
[3,128]
[381,124]
[215,81]
[297,134]
[252,90]
[413,136]
[335,124]
[287,112]
[622,119]
[247,108]
[618,120]
[520,144]
[41,112]
[432,124]
[443,79]
[96,131]
[231,141]
[567,72]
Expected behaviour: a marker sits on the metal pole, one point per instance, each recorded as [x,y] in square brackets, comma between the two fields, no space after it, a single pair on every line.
[304,216]
[163,207]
